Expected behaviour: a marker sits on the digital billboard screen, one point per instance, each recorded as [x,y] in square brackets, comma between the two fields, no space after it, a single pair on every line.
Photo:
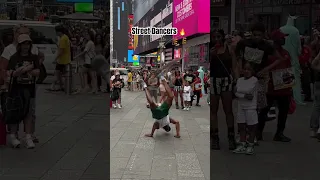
[191,18]
[133,58]
[83,7]
[130,38]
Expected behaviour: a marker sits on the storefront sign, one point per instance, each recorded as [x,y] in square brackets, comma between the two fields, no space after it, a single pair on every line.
[191,17]
[130,38]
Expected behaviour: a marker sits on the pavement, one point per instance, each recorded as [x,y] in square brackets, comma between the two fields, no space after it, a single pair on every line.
[134,156]
[73,133]
[74,145]
[297,160]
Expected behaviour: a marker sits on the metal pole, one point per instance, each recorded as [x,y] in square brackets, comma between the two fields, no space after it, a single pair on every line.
[310,18]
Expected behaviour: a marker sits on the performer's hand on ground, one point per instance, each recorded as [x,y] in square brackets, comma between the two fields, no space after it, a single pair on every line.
[148,135]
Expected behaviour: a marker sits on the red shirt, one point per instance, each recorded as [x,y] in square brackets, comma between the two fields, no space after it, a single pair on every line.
[283,65]
[305,55]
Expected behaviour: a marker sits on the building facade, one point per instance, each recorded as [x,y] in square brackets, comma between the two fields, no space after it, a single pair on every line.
[274,13]
[221,15]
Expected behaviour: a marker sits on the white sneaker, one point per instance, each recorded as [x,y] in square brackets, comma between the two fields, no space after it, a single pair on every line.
[184,109]
[187,109]
[29,142]
[14,141]
[114,106]
[119,106]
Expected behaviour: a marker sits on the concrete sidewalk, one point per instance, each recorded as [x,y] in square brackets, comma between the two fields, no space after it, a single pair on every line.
[134,156]
[73,133]
[298,160]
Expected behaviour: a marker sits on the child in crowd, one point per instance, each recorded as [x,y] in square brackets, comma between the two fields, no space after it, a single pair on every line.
[187,96]
[247,117]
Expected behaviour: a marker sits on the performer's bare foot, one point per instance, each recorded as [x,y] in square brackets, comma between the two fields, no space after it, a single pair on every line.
[148,135]
[177,136]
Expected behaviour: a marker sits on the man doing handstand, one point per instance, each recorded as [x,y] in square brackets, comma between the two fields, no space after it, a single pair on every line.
[160,112]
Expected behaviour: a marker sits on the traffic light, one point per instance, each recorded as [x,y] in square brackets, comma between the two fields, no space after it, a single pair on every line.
[184,41]
[175,42]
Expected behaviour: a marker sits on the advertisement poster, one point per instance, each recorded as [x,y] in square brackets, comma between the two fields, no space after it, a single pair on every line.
[130,36]
[283,78]
[191,17]
[177,53]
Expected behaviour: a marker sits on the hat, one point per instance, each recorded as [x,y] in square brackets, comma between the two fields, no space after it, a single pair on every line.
[277,34]
[24,37]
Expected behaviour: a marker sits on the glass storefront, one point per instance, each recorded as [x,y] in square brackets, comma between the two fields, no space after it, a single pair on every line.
[196,56]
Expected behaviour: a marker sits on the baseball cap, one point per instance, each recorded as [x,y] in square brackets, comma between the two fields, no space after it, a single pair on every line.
[24,37]
[277,34]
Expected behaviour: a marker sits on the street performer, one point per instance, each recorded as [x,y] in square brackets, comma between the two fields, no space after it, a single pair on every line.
[160,112]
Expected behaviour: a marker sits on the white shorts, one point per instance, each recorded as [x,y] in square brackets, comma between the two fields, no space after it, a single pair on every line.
[163,122]
[186,97]
[247,116]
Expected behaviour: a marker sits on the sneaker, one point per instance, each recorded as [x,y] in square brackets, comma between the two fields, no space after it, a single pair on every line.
[240,149]
[29,142]
[281,138]
[114,106]
[185,109]
[119,106]
[188,108]
[35,139]
[177,107]
[250,149]
[15,143]
[198,105]
[215,143]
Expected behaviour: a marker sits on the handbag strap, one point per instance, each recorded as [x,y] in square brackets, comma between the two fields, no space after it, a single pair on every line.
[224,67]
[10,82]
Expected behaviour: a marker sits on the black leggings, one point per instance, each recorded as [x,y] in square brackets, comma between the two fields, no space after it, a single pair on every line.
[197,93]
[283,103]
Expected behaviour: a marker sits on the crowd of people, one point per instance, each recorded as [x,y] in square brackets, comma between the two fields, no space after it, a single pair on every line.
[21,64]
[185,86]
[261,72]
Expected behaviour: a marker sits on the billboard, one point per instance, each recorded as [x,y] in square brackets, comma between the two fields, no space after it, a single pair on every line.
[158,16]
[130,36]
[75,1]
[133,58]
[191,17]
[83,7]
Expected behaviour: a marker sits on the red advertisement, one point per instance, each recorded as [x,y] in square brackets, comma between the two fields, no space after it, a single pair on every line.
[130,36]
[177,53]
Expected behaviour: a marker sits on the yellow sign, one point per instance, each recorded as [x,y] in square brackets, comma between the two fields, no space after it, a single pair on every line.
[184,41]
[135,41]
[135,58]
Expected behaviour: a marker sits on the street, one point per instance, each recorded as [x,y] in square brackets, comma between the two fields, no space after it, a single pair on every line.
[134,156]
[298,160]
[73,133]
